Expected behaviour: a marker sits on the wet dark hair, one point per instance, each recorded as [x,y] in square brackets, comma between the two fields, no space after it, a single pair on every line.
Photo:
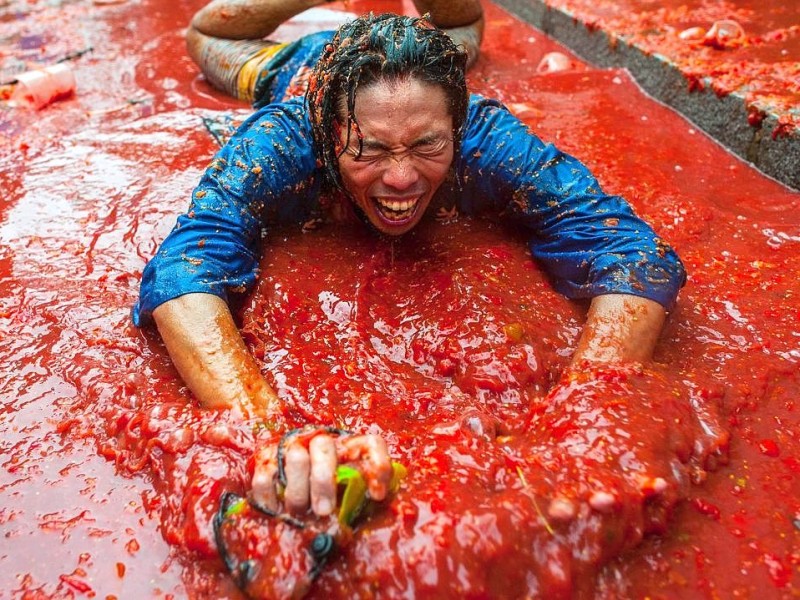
[374,48]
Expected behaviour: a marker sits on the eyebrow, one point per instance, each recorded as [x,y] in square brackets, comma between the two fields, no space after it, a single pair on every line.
[373,145]
[370,144]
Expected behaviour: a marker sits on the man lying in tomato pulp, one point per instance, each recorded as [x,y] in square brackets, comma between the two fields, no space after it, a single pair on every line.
[375,122]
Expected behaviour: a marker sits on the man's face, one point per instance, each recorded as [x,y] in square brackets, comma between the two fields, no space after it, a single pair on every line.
[407,152]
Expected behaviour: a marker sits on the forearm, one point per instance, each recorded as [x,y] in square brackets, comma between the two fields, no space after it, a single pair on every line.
[620,328]
[208,351]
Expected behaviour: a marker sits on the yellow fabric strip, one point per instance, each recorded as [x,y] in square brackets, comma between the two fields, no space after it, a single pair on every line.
[248,75]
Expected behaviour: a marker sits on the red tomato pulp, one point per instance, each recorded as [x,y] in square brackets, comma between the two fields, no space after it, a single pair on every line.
[106,457]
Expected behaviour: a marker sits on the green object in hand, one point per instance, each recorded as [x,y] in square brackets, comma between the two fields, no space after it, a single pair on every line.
[236,508]
[354,497]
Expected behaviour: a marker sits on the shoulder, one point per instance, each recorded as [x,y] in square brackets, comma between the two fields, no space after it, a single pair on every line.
[489,121]
[270,153]
[493,136]
[481,109]
[277,129]
[288,116]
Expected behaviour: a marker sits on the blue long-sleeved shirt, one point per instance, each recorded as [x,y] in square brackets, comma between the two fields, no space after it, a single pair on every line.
[589,242]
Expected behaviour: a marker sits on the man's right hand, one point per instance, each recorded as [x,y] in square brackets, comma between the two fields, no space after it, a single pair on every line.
[310,459]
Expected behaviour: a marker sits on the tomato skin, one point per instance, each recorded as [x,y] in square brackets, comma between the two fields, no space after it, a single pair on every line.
[769,448]
[704,507]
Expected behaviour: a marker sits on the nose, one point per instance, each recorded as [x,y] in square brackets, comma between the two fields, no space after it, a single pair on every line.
[400,173]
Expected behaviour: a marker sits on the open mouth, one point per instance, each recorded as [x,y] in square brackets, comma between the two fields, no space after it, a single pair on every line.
[394,210]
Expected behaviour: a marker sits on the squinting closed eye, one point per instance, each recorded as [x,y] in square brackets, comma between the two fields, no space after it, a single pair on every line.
[426,148]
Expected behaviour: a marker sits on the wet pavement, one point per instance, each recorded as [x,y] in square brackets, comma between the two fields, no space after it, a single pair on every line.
[733,68]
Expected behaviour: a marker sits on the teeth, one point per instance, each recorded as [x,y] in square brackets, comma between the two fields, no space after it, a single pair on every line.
[399,209]
[396,205]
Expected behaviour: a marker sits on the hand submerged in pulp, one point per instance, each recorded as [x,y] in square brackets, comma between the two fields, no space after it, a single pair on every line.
[300,471]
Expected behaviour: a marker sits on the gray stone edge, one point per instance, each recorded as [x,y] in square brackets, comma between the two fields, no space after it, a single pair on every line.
[724,118]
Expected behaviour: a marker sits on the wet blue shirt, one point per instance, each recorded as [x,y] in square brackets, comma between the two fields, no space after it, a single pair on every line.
[589,242]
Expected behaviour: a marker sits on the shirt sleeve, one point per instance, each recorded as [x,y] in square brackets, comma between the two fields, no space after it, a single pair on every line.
[589,242]
[214,247]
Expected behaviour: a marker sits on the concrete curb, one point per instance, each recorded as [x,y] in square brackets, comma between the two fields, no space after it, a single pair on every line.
[723,118]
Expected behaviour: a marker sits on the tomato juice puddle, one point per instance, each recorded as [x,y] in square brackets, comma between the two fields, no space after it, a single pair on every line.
[446,342]
[457,332]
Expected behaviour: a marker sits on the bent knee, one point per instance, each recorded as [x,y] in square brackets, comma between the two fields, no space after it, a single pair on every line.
[451,13]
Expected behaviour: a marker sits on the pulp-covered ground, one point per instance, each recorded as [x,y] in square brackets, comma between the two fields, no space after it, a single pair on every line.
[748,47]
[95,450]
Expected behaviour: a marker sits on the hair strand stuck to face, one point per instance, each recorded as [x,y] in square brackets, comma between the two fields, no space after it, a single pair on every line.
[375,48]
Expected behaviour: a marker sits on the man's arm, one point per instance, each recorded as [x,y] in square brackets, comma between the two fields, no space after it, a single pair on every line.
[620,328]
[208,351]
[211,357]
[592,244]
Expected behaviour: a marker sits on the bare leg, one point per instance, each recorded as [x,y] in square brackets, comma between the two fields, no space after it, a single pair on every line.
[226,37]
[225,63]
[449,14]
[247,19]
[462,19]
[469,38]
[226,40]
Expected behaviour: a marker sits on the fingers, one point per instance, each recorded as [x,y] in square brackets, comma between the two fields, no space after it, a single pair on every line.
[310,475]
[322,451]
[310,471]
[371,456]
[265,476]
[297,466]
